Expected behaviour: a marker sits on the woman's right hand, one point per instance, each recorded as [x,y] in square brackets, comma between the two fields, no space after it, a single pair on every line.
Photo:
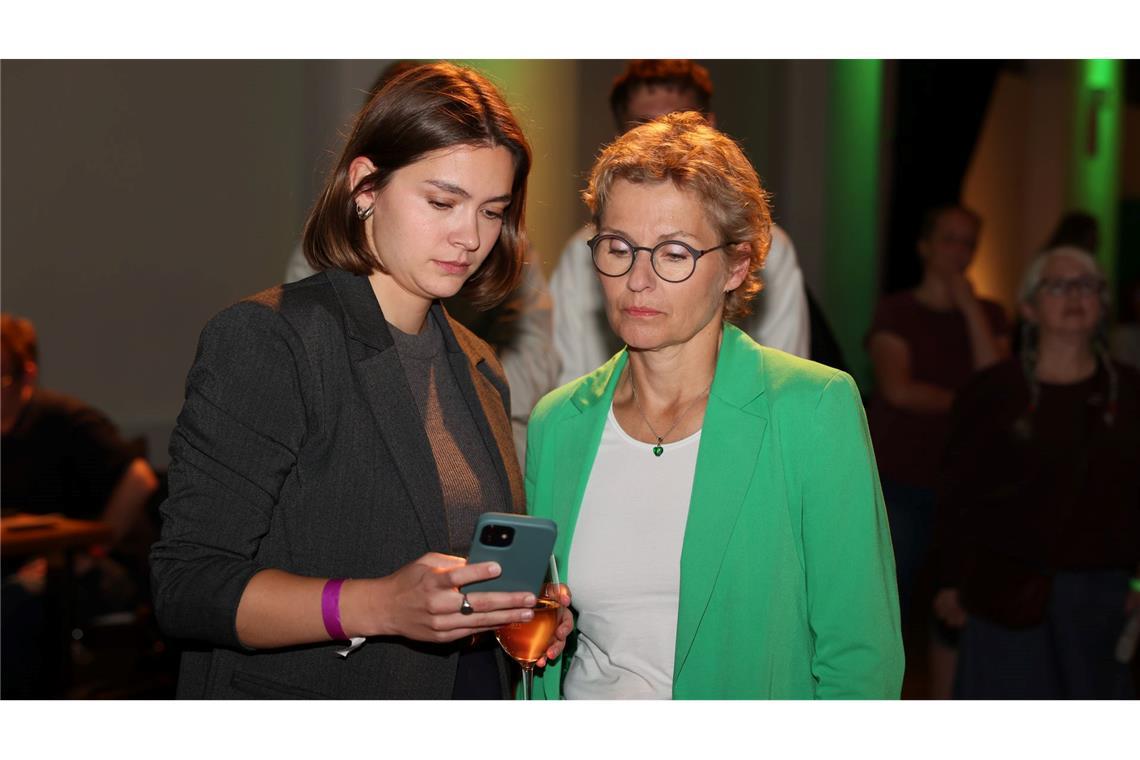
[961,291]
[421,601]
[948,607]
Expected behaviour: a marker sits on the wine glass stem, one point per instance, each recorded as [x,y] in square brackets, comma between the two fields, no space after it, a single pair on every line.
[527,678]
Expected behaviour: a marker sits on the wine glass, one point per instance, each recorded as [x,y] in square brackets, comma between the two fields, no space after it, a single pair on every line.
[527,641]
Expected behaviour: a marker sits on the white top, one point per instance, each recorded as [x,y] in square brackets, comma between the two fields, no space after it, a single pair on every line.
[582,333]
[625,567]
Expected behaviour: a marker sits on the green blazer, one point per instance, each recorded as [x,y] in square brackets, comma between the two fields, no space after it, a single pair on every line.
[787,574]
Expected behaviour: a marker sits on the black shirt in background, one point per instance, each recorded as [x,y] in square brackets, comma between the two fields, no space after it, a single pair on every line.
[61,456]
[1018,504]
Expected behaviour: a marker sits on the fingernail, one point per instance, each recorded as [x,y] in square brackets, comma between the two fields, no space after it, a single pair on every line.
[528,600]
[527,615]
[493,569]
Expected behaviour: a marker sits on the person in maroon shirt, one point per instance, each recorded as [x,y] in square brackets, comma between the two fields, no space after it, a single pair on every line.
[60,454]
[925,343]
[1039,504]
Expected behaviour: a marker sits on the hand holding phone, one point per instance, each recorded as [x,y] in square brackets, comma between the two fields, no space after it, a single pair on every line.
[519,543]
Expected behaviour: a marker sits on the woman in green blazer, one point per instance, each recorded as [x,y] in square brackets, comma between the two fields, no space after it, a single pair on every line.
[720,517]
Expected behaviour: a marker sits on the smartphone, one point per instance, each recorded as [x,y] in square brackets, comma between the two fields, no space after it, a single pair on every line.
[521,544]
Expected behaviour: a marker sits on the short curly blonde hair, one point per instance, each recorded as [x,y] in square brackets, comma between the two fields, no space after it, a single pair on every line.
[683,148]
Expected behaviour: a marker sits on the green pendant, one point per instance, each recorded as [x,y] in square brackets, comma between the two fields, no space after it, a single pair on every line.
[657,450]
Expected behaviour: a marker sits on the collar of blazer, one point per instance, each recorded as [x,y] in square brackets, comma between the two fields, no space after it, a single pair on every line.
[385,386]
[739,379]
[364,316]
[732,438]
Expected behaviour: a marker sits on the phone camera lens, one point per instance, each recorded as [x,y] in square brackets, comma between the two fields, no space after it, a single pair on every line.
[497,535]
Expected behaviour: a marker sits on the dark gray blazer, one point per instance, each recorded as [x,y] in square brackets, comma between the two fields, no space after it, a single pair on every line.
[300,448]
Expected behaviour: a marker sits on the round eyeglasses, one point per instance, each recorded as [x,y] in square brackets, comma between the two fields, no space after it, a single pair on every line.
[1082,286]
[672,260]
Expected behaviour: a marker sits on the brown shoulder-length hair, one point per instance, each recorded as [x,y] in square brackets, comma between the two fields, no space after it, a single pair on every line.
[684,149]
[424,109]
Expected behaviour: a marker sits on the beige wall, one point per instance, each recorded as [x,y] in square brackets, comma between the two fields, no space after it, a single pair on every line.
[543,95]
[1016,179]
[140,197]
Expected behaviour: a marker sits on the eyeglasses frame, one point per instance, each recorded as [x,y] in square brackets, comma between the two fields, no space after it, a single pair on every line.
[1070,285]
[633,249]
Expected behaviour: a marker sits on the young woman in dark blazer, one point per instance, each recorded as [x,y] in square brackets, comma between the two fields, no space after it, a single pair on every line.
[341,434]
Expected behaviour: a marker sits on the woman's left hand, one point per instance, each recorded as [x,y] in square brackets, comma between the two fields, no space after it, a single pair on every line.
[565,626]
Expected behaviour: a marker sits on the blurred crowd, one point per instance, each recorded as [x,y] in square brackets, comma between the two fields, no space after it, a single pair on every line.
[1007,449]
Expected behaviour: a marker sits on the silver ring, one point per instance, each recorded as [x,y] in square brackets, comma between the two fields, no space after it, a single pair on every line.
[466,608]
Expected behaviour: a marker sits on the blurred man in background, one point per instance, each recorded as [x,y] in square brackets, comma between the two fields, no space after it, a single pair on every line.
[61,456]
[582,335]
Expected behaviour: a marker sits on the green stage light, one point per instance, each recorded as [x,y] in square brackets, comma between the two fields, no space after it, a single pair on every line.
[854,129]
[1096,154]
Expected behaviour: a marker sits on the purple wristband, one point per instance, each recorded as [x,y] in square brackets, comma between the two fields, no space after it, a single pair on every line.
[330,609]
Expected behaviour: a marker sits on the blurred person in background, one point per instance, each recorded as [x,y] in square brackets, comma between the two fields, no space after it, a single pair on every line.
[1039,509]
[1076,229]
[583,337]
[924,344]
[1081,230]
[62,456]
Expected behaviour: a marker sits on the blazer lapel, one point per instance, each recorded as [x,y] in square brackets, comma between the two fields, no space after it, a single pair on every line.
[731,439]
[488,408]
[576,440]
[385,386]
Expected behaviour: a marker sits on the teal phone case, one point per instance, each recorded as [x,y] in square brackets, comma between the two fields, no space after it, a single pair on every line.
[524,560]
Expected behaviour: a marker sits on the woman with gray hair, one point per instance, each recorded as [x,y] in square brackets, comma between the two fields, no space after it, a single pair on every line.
[1039,505]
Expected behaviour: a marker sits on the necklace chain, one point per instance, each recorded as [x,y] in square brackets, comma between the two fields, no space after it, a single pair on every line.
[658,449]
